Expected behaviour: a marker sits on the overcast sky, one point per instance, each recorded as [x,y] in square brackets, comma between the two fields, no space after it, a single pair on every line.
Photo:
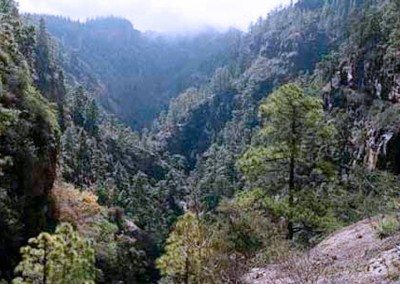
[161,15]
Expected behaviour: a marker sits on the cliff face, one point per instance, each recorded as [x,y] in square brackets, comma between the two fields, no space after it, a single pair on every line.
[347,52]
[28,141]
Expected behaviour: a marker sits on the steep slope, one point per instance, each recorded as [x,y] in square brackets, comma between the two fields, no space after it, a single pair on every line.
[344,54]
[52,132]
[29,146]
[136,74]
[354,254]
[319,46]
[274,51]
[210,173]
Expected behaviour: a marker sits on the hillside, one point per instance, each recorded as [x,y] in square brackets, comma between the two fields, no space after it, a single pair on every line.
[355,254]
[134,75]
[130,157]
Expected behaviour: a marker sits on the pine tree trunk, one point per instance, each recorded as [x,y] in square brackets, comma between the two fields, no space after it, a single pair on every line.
[291,195]
[291,176]
[45,265]
[187,270]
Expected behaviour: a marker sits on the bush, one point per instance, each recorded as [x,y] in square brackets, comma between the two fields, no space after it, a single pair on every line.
[388,226]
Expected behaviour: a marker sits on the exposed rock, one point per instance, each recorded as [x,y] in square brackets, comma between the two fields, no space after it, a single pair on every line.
[378,89]
[394,94]
[354,254]
[376,145]
[386,264]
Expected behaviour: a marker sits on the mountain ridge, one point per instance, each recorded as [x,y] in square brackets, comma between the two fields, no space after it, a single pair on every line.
[251,148]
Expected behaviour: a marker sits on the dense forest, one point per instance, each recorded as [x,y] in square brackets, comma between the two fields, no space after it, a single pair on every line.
[134,75]
[130,157]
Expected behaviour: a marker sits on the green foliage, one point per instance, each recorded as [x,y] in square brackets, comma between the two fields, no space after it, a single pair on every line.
[133,264]
[120,257]
[216,177]
[62,257]
[365,194]
[141,82]
[302,176]
[329,186]
[291,148]
[99,152]
[294,125]
[29,135]
[79,107]
[7,6]
[196,116]
[50,78]
[142,202]
[221,249]
[248,228]
[8,117]
[245,235]
[388,226]
[182,106]
[186,252]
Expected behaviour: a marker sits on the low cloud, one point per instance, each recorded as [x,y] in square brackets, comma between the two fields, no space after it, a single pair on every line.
[161,15]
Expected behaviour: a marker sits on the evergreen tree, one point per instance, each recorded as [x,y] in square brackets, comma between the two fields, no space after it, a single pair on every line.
[62,257]
[28,139]
[289,145]
[43,58]
[143,202]
[79,106]
[92,116]
[49,77]
[221,81]
[187,252]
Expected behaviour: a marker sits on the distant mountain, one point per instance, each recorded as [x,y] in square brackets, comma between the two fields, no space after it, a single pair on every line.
[279,137]
[136,74]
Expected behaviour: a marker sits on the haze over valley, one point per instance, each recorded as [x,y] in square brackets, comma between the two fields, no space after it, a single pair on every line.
[199,142]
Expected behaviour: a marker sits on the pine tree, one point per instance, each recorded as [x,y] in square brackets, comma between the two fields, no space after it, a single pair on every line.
[62,257]
[92,116]
[44,62]
[7,6]
[49,77]
[289,143]
[221,81]
[79,105]
[187,251]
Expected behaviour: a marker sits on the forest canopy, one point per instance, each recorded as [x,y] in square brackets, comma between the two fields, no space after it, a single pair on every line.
[131,157]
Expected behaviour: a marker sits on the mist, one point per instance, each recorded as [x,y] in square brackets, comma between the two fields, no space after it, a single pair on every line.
[164,16]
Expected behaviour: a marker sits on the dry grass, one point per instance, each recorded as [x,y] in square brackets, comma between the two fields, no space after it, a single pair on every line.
[80,208]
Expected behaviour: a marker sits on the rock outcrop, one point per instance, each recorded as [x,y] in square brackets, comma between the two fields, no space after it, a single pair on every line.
[354,255]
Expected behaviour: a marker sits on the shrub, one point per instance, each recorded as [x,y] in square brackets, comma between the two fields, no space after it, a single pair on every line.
[388,226]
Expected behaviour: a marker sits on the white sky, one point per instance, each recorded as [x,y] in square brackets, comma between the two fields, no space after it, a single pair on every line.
[161,15]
